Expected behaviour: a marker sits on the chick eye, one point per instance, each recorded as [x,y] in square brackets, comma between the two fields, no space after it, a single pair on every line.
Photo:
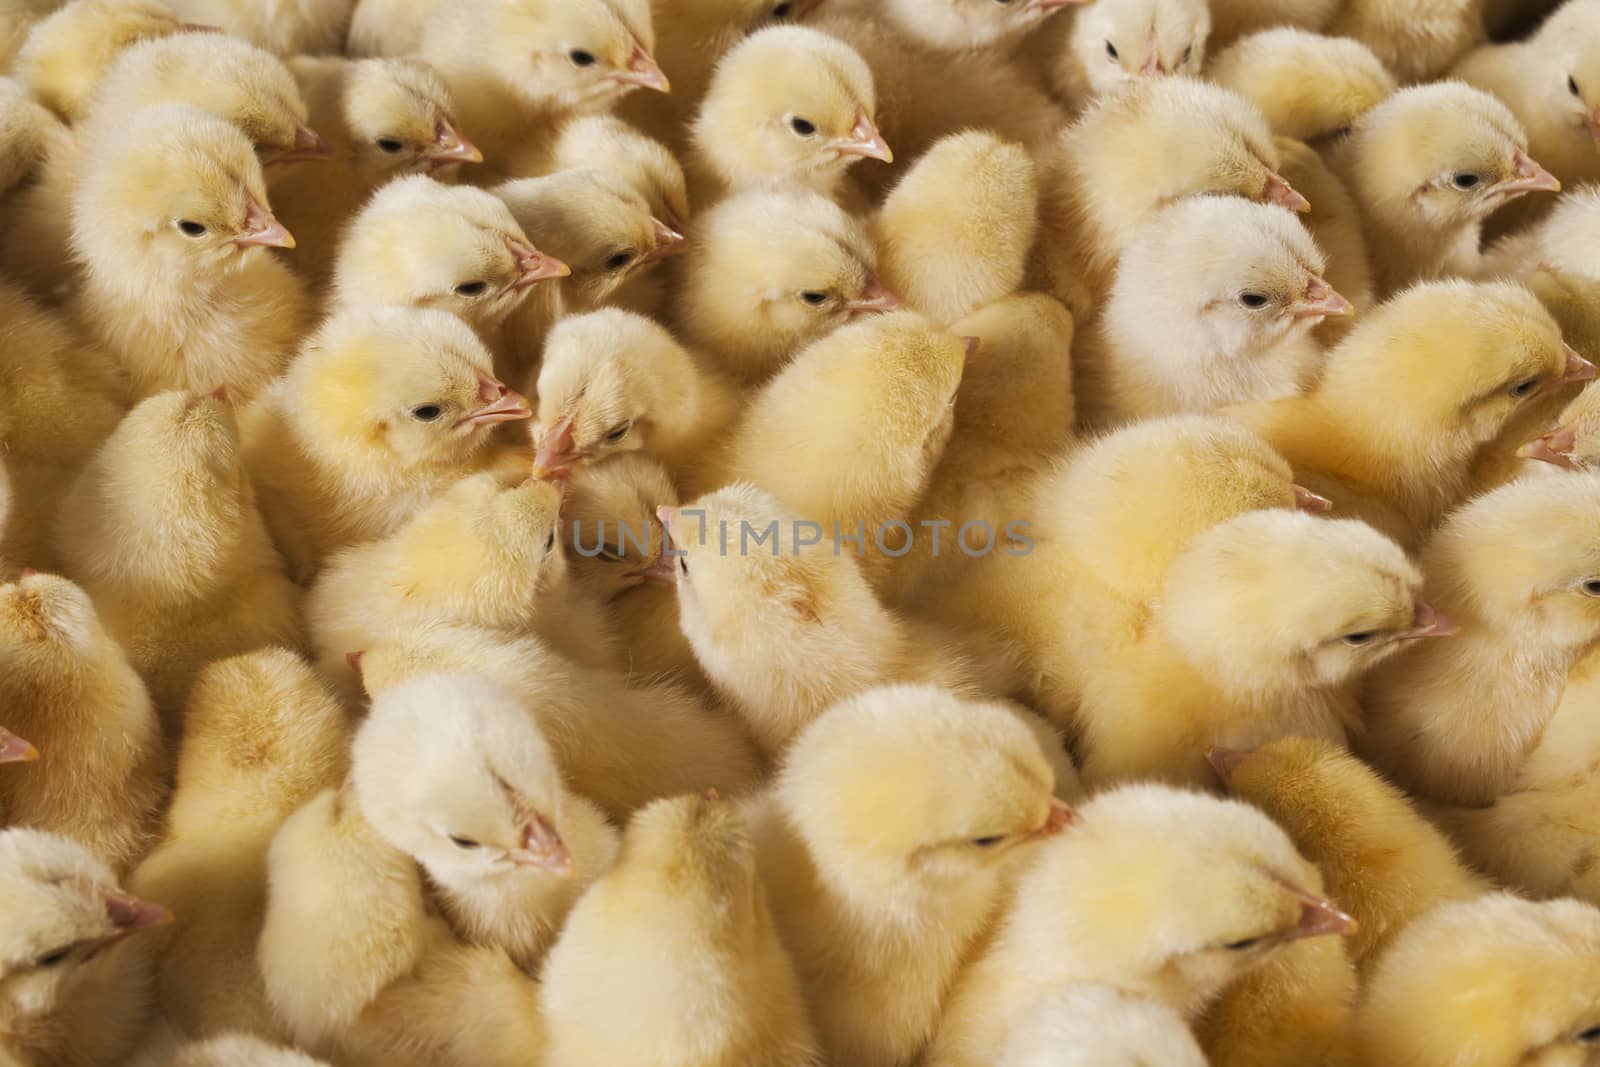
[191,229]
[550,542]
[466,844]
[782,10]
[1253,301]
[1464,181]
[472,288]
[1245,945]
[1524,388]
[1591,587]
[618,432]
[1356,640]
[813,298]
[804,127]
[55,958]
[618,261]
[580,58]
[608,556]
[1572,85]
[390,145]
[683,565]
[1589,1036]
[988,842]
[1187,52]
[1111,50]
[426,412]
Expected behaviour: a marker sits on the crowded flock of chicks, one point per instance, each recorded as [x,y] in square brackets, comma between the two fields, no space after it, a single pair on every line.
[782,533]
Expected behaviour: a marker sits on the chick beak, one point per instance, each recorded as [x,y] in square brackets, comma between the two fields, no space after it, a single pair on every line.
[557,450]
[661,571]
[308,144]
[643,71]
[14,749]
[864,141]
[972,345]
[535,265]
[1321,301]
[1577,369]
[1061,816]
[261,228]
[669,243]
[1317,918]
[449,146]
[542,847]
[1426,621]
[1279,191]
[501,404]
[1152,64]
[1225,760]
[1315,503]
[130,914]
[1554,447]
[1591,122]
[1042,8]
[354,660]
[1528,177]
[875,297]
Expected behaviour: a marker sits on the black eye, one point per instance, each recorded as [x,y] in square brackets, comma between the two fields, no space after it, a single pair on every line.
[815,299]
[683,565]
[988,842]
[550,542]
[1358,639]
[1572,85]
[782,10]
[608,556]
[426,412]
[58,956]
[1464,181]
[1245,945]
[1589,1036]
[618,432]
[804,127]
[390,145]
[191,229]
[1253,301]
[1111,50]
[471,288]
[618,261]
[1591,587]
[465,843]
[1524,389]
[1187,52]
[581,58]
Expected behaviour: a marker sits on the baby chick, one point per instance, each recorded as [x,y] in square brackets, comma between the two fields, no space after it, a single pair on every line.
[1383,862]
[613,383]
[382,409]
[1121,899]
[162,530]
[1562,241]
[1458,359]
[969,25]
[1294,1008]
[287,27]
[1307,85]
[1417,40]
[1324,602]
[955,233]
[1520,570]
[388,27]
[66,53]
[1575,443]
[68,688]
[1495,982]
[169,224]
[1110,43]
[1335,224]
[678,936]
[453,771]
[769,272]
[879,914]
[603,142]
[70,991]
[1427,166]
[788,105]
[1241,283]
[1086,1024]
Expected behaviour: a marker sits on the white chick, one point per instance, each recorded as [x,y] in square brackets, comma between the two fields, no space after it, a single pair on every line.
[1110,43]
[454,771]
[1417,39]
[1213,304]
[170,223]
[885,846]
[769,272]
[1308,86]
[1089,1025]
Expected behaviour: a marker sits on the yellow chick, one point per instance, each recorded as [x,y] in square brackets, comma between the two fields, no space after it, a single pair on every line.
[1294,1008]
[70,991]
[1520,570]
[1213,304]
[1108,44]
[262,736]
[68,688]
[677,936]
[603,142]
[879,910]
[614,383]
[1086,1024]
[66,53]
[788,105]
[287,27]
[453,771]
[1382,860]
[382,118]
[1307,85]
[1124,899]
[382,409]
[1234,19]
[1335,224]
[1418,40]
[389,27]
[1575,442]
[1427,166]
[1324,602]
[770,272]
[162,530]
[1496,982]
[170,222]
[1458,360]
[1561,241]
[1132,153]
[955,233]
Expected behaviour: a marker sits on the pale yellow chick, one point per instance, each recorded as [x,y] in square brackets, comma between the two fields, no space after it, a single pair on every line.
[603,142]
[1562,241]
[388,27]
[1575,442]
[66,53]
[969,25]
[287,27]
[1335,224]
[1233,19]
[1108,44]
[1418,40]
[1086,1024]
[1307,85]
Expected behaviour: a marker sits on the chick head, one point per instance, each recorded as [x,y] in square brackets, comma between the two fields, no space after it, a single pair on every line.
[790,104]
[1444,154]
[1566,70]
[49,634]
[697,844]
[1270,67]
[401,120]
[1116,41]
[595,223]
[66,52]
[1277,600]
[910,785]
[611,382]
[453,771]
[619,540]
[421,243]
[180,190]
[400,387]
[1235,275]
[1466,357]
[1575,442]
[605,142]
[63,908]
[1090,1025]
[1498,980]
[963,25]
[785,266]
[570,55]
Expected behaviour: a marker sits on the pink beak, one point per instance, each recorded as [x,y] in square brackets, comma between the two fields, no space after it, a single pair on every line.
[1152,64]
[1528,177]
[354,660]
[130,914]
[542,847]
[644,72]
[1225,760]
[1060,817]
[1554,447]
[449,146]
[1279,191]
[1426,622]
[669,243]
[535,265]
[1591,122]
[865,141]
[1315,503]
[661,571]
[1577,369]
[261,228]
[14,749]
[308,144]
[1321,301]
[501,404]
[875,297]
[1318,918]
[557,449]
[972,345]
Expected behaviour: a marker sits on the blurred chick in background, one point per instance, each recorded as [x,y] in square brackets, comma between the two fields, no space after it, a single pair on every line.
[1418,40]
[1561,241]
[288,27]
[1233,19]
[1574,444]
[1307,85]
[66,53]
